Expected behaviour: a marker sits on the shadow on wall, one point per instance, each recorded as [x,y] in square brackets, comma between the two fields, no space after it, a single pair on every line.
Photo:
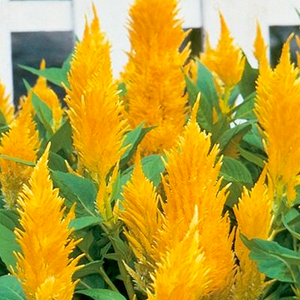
[29,48]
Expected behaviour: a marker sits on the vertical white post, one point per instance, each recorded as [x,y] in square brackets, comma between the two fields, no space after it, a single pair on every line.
[6,74]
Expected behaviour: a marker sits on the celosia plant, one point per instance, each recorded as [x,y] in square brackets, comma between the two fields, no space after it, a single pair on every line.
[91,217]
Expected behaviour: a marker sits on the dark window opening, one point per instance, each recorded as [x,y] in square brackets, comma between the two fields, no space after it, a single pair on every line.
[278,36]
[29,48]
[195,37]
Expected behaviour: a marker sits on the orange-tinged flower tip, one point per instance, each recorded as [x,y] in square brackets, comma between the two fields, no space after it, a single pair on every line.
[226,60]
[260,47]
[44,267]
[6,107]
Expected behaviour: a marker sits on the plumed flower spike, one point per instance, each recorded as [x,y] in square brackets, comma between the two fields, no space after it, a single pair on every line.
[143,220]
[226,60]
[47,95]
[192,180]
[44,268]
[183,273]
[6,108]
[260,47]
[153,76]
[277,110]
[21,142]
[94,107]
[254,218]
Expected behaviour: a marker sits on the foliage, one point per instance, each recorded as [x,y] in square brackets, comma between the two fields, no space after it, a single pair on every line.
[179,181]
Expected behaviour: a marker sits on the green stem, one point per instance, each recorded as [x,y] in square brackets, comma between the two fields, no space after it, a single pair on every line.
[101,272]
[113,236]
[107,280]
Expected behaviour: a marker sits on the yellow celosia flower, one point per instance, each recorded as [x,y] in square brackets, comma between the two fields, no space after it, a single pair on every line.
[254,218]
[154,77]
[94,106]
[227,59]
[21,142]
[227,63]
[47,95]
[143,220]
[44,268]
[277,105]
[260,48]
[183,273]
[192,180]
[6,108]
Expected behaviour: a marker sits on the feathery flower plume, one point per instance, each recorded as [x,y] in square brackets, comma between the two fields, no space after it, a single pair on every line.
[44,268]
[21,142]
[143,220]
[6,108]
[254,218]
[47,95]
[260,48]
[154,77]
[94,106]
[226,62]
[183,273]
[192,180]
[277,104]
[297,52]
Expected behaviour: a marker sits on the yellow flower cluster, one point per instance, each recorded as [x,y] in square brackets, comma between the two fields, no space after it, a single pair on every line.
[180,235]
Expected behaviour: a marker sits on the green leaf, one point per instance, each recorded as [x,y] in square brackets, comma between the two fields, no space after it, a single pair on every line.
[247,84]
[122,89]
[43,112]
[90,282]
[133,138]
[62,139]
[252,157]
[101,294]
[9,219]
[83,222]
[10,288]
[229,134]
[291,222]
[233,170]
[8,246]
[55,75]
[245,109]
[274,260]
[206,85]
[192,90]
[89,268]
[75,188]
[254,138]
[18,160]
[56,162]
[2,120]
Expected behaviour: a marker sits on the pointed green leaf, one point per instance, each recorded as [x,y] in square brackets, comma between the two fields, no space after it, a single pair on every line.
[75,188]
[11,289]
[8,246]
[55,75]
[274,260]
